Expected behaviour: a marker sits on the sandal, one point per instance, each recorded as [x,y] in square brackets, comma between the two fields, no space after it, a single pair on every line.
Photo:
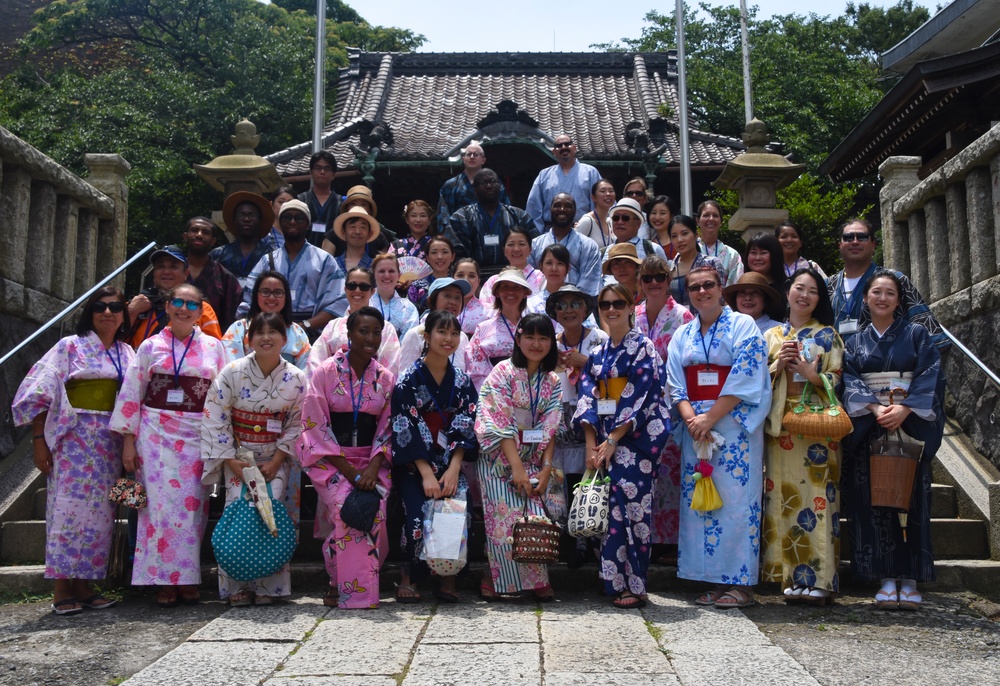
[332,598]
[629,602]
[709,597]
[61,607]
[189,595]
[887,598]
[444,596]
[264,600]
[910,600]
[97,602]
[407,595]
[735,597]
[816,596]
[487,592]
[239,599]
[545,594]
[166,597]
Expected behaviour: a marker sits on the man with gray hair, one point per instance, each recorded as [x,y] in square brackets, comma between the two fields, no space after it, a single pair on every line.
[458,192]
[568,176]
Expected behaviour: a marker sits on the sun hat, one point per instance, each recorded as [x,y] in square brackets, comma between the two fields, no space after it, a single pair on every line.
[748,281]
[262,204]
[364,193]
[567,291]
[511,275]
[629,205]
[338,225]
[620,251]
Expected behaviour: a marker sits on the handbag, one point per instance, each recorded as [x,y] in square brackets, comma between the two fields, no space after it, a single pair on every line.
[536,538]
[128,492]
[827,422]
[893,467]
[589,512]
[243,544]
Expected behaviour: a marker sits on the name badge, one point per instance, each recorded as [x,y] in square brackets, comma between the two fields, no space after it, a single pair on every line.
[848,326]
[175,396]
[442,440]
[607,406]
[708,378]
[318,227]
[798,378]
[532,436]
[274,426]
[899,385]
[491,240]
[291,294]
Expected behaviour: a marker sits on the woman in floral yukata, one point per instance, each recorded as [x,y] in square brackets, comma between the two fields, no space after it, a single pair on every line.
[517,250]
[346,445]
[67,397]
[624,421]
[520,409]
[254,404]
[494,338]
[433,410]
[719,382]
[159,412]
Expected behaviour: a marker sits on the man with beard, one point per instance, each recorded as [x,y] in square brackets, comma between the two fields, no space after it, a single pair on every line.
[248,217]
[147,311]
[221,289]
[584,255]
[568,176]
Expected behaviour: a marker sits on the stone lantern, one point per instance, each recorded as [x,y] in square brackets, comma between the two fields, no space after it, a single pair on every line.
[757,175]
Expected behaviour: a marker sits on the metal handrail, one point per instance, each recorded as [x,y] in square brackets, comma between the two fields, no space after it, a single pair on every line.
[968,353]
[76,303]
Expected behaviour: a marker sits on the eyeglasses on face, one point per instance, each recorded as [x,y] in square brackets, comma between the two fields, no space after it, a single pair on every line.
[606,305]
[564,305]
[181,302]
[703,286]
[852,236]
[323,168]
[564,144]
[100,307]
[650,278]
[473,154]
[272,293]
[623,217]
[294,217]
[355,286]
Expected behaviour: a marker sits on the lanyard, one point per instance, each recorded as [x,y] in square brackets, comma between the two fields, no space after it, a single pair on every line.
[246,259]
[356,406]
[117,365]
[711,341]
[173,357]
[533,400]
[716,249]
[608,347]
[509,330]
[150,321]
[492,222]
[381,309]
[601,228]
[567,347]
[451,395]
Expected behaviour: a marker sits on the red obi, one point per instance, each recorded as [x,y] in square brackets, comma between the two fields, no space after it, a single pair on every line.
[158,392]
[251,427]
[705,373]
[434,422]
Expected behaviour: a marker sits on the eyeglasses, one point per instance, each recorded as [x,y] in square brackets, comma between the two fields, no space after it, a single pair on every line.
[181,302]
[268,293]
[703,286]
[355,286]
[294,217]
[635,194]
[650,278]
[564,305]
[606,305]
[100,307]
[855,236]
[473,154]
[323,168]
[567,144]
[623,218]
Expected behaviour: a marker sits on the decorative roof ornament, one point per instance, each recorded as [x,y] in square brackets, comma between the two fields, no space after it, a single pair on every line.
[372,136]
[507,111]
[639,141]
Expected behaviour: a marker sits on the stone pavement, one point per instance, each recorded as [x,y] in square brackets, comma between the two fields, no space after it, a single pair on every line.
[580,640]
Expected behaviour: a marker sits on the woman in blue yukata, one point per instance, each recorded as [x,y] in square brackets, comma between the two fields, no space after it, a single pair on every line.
[720,385]
[625,423]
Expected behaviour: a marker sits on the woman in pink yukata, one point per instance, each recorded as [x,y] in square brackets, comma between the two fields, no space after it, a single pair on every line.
[345,445]
[159,413]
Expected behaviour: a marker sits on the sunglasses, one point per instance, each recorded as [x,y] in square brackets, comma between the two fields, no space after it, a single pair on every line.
[294,217]
[181,302]
[703,286]
[100,307]
[355,286]
[268,293]
[852,237]
[563,145]
[635,194]
[606,305]
[650,278]
[564,305]
[623,218]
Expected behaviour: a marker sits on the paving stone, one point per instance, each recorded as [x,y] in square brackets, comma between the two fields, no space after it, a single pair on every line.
[213,664]
[509,664]
[482,623]
[738,664]
[608,679]
[283,622]
[280,680]
[359,642]
[683,623]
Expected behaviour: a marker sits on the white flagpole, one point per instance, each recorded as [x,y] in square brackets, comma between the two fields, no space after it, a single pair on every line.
[319,86]
[683,114]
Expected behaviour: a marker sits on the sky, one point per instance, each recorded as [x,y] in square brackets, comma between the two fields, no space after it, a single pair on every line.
[552,25]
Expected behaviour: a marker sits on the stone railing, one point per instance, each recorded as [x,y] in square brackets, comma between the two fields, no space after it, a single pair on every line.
[59,235]
[944,233]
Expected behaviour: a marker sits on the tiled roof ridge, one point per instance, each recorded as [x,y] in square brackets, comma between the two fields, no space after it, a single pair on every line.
[645,89]
[379,89]
[517,62]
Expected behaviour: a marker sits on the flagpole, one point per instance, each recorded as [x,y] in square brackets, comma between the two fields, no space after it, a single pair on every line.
[319,86]
[683,114]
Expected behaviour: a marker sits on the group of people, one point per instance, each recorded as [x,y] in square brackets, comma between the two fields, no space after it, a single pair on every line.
[624,338]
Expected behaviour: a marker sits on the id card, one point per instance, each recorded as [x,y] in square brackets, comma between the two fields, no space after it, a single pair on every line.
[899,385]
[607,406]
[442,440]
[848,326]
[491,240]
[175,396]
[318,227]
[274,426]
[291,294]
[708,378]
[532,436]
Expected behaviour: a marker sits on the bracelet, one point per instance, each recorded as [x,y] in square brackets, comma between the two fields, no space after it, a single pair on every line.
[38,436]
[547,463]
[357,478]
[612,442]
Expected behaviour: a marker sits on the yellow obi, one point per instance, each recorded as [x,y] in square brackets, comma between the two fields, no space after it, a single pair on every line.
[613,388]
[93,394]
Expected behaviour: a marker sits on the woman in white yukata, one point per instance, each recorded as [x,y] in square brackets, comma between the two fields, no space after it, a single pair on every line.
[255,404]
[493,341]
[159,412]
[719,382]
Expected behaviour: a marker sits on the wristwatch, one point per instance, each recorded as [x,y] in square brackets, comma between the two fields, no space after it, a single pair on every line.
[306,324]
[612,442]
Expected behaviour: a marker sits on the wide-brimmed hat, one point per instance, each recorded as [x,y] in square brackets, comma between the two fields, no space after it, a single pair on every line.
[629,205]
[564,291]
[171,251]
[338,225]
[747,281]
[295,205]
[362,193]
[262,203]
[515,276]
[620,251]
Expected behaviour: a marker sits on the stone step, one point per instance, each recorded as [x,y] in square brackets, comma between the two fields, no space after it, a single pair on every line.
[22,542]
[943,502]
[38,501]
[959,539]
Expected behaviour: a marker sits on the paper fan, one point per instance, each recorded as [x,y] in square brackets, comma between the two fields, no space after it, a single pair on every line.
[413,268]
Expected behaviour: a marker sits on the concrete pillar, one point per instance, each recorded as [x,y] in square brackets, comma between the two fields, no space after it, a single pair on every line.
[39,253]
[86,257]
[107,174]
[917,267]
[958,236]
[899,175]
[937,259]
[980,209]
[15,201]
[64,267]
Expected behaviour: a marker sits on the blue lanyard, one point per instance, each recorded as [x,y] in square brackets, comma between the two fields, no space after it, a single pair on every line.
[492,222]
[711,341]
[716,247]
[117,365]
[361,389]
[173,357]
[601,227]
[509,330]
[451,396]
[150,321]
[243,266]
[534,400]
[382,310]
[608,347]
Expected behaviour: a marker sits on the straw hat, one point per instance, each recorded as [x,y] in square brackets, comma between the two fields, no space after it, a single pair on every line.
[364,194]
[338,226]
[262,204]
[748,281]
[620,251]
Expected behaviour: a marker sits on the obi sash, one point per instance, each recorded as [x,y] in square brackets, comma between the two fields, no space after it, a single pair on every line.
[343,427]
[882,383]
[195,390]
[696,392]
[435,422]
[612,388]
[93,394]
[251,427]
